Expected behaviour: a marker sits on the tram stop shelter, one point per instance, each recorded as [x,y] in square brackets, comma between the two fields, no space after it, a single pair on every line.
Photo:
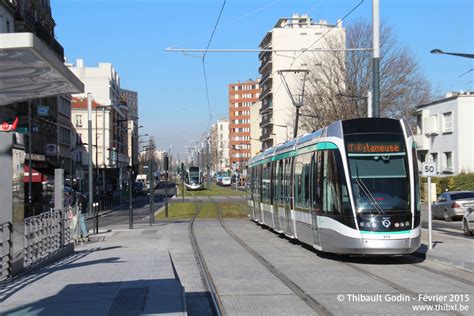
[28,70]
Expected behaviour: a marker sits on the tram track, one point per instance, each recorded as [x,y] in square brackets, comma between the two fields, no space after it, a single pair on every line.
[415,295]
[438,272]
[319,308]
[214,299]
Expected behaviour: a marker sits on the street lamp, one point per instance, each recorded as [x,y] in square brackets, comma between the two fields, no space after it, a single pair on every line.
[439,51]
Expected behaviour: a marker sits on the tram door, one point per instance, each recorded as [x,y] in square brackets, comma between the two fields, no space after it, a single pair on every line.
[288,196]
[258,192]
[316,193]
[277,173]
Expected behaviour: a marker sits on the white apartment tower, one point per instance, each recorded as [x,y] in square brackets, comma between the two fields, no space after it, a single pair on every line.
[289,35]
[223,154]
[444,133]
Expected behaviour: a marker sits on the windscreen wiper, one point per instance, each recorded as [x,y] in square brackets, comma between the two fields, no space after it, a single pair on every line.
[368,194]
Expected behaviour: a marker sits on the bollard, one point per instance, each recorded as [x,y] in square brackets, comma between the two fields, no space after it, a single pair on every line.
[96,218]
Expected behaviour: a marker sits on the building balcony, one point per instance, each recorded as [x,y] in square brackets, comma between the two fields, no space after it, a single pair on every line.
[265,78]
[266,120]
[264,66]
[267,107]
[422,142]
[263,54]
[265,93]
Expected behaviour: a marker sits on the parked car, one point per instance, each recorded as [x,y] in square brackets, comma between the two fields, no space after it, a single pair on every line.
[139,188]
[468,222]
[226,181]
[452,204]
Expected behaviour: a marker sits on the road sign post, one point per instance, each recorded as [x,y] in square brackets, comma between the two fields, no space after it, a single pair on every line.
[428,169]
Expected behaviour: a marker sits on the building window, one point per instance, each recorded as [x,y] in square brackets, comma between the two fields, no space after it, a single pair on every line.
[448,122]
[448,162]
[431,125]
[78,120]
[64,135]
[434,159]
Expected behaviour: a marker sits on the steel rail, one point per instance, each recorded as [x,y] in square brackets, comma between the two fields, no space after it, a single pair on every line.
[396,286]
[445,274]
[214,299]
[319,308]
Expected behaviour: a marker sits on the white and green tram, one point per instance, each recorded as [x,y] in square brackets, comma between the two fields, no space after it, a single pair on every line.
[349,188]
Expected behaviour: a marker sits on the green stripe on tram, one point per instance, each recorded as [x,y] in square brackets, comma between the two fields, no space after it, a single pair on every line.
[384,233]
[325,145]
[318,146]
[284,155]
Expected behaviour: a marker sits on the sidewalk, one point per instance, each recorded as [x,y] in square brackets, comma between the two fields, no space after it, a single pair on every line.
[452,250]
[127,272]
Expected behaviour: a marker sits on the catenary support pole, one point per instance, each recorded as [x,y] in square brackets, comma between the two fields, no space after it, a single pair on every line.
[130,207]
[369,104]
[208,163]
[430,240]
[103,149]
[376,57]
[89,145]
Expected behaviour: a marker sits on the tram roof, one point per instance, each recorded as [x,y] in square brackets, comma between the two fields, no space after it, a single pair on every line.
[336,129]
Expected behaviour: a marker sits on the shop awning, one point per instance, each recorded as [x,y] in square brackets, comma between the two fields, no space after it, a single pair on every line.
[36,176]
[29,70]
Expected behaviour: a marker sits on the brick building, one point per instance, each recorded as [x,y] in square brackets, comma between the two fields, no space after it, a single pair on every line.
[241,96]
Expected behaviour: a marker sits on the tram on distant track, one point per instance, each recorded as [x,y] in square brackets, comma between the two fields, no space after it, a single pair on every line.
[349,188]
[193,179]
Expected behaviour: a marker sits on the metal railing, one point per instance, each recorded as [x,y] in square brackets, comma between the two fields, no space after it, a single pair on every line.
[45,234]
[6,246]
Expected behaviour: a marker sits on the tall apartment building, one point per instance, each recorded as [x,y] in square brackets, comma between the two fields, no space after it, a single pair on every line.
[444,133]
[255,131]
[222,153]
[295,33]
[131,98]
[241,96]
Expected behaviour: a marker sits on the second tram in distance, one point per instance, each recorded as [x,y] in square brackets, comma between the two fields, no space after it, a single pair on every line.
[349,188]
[193,179]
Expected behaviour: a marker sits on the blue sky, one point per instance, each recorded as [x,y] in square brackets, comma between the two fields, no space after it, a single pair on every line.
[132,35]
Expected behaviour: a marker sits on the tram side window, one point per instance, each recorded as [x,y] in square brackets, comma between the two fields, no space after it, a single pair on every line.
[287,181]
[250,183]
[279,182]
[272,182]
[259,183]
[335,195]
[266,183]
[316,180]
[302,176]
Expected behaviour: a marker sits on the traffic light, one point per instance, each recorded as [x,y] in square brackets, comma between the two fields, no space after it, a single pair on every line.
[166,163]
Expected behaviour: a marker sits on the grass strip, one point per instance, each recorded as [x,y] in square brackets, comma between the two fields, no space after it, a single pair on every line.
[179,210]
[215,191]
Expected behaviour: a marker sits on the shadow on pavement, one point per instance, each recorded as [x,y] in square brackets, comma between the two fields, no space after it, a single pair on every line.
[156,296]
[11,286]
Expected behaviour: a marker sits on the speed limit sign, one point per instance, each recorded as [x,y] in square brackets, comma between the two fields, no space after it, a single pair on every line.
[428,169]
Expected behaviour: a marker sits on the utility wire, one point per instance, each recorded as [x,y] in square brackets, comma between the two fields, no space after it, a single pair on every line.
[320,38]
[204,62]
[214,30]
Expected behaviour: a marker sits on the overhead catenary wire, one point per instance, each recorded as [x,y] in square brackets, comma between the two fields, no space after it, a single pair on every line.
[204,62]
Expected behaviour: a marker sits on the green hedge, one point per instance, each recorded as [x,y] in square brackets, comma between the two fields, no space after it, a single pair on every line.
[463,181]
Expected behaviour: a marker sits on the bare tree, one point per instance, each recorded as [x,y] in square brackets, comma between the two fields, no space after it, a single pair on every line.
[349,73]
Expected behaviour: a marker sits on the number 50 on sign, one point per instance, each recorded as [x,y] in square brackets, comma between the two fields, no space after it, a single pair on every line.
[428,169]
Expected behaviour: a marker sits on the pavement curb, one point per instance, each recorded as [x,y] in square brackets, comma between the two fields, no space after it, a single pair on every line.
[466,266]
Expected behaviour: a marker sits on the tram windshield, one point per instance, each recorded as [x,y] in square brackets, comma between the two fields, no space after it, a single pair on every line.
[194,175]
[379,173]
